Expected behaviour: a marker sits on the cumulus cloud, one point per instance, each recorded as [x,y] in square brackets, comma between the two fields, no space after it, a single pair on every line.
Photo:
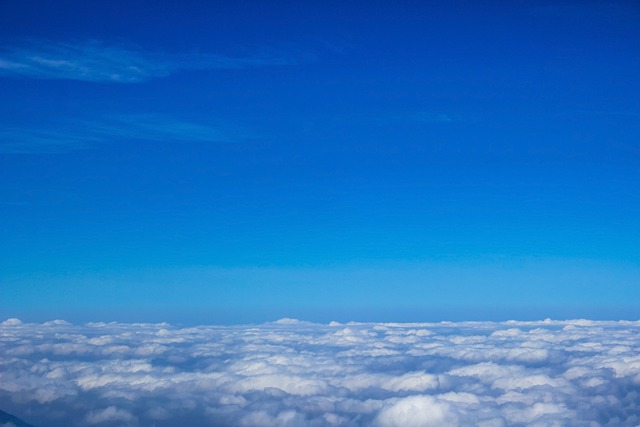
[294,373]
[11,322]
[417,411]
[95,61]
[110,414]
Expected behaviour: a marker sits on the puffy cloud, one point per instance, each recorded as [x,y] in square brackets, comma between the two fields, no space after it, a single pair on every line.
[417,411]
[294,373]
[110,414]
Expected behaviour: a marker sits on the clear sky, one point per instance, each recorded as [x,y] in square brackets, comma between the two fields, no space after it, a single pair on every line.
[203,161]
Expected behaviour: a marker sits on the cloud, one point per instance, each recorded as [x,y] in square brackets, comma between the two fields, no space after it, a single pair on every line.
[435,117]
[110,414]
[417,411]
[94,61]
[294,373]
[72,134]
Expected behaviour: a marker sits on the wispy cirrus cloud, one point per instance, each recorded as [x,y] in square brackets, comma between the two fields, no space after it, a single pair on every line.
[81,133]
[442,117]
[96,61]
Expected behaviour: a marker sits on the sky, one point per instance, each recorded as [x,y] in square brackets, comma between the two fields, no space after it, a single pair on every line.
[233,162]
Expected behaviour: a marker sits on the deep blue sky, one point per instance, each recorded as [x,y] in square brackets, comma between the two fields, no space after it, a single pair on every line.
[243,161]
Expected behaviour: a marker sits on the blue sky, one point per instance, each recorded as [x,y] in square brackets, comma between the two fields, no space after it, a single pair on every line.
[213,161]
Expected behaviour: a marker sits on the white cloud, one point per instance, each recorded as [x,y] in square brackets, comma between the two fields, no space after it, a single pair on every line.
[81,133]
[303,374]
[417,411]
[95,61]
[109,415]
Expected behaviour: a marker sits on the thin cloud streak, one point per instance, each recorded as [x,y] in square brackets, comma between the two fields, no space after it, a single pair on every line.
[94,61]
[85,133]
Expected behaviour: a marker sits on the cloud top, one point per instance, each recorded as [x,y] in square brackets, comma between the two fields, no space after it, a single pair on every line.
[293,373]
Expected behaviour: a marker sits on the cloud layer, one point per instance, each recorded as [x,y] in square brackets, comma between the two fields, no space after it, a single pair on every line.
[95,61]
[292,373]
